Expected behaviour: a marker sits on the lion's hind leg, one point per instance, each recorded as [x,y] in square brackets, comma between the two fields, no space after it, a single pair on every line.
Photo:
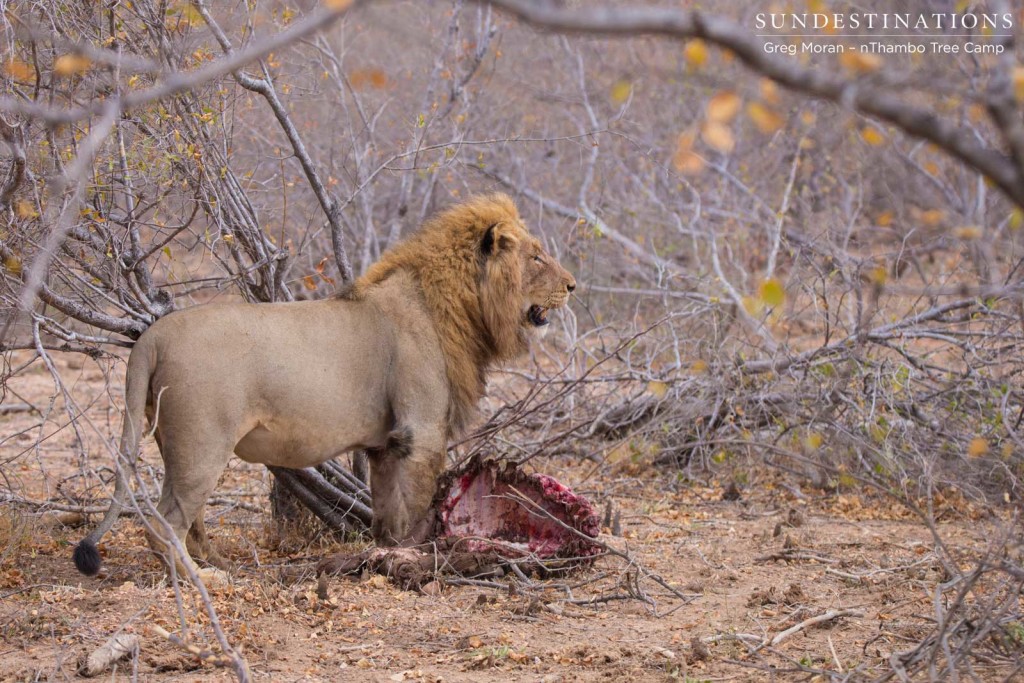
[199,547]
[187,485]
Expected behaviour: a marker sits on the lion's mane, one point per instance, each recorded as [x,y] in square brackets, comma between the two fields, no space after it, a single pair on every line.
[466,261]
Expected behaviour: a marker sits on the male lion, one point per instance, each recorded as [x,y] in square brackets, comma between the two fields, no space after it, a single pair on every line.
[396,365]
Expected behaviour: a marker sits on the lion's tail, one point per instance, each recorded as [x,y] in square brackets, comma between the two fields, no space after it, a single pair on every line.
[87,555]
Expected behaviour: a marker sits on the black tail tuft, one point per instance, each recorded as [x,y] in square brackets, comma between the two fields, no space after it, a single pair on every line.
[87,557]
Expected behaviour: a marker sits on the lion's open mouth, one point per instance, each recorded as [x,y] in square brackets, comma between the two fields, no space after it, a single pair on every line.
[537,315]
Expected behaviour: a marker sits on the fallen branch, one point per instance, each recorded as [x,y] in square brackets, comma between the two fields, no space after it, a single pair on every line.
[340,515]
[807,623]
[611,550]
[117,647]
[791,556]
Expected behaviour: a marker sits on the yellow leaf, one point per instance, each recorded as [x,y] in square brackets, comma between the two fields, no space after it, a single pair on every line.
[766,120]
[772,293]
[190,16]
[769,91]
[813,441]
[688,163]
[860,62]
[978,447]
[698,366]
[685,160]
[1018,83]
[718,136]
[872,136]
[932,217]
[695,53]
[621,91]
[847,480]
[658,389]
[884,219]
[722,107]
[968,232]
[1016,219]
[878,432]
[309,282]
[337,4]
[13,264]
[378,79]
[878,275]
[25,209]
[18,70]
[808,117]
[69,65]
[368,78]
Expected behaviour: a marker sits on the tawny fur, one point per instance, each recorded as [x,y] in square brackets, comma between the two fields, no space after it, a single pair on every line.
[395,365]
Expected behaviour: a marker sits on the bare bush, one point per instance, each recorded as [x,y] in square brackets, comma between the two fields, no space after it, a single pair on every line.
[814,266]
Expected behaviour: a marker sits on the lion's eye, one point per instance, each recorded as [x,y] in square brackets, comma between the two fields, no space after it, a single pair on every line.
[538,259]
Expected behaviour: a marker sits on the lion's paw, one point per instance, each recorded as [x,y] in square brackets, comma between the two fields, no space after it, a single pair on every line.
[214,578]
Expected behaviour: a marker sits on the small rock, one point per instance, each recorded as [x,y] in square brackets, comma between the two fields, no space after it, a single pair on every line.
[321,588]
[698,650]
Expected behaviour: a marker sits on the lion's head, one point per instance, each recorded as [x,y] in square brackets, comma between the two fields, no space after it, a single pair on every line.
[519,285]
[488,283]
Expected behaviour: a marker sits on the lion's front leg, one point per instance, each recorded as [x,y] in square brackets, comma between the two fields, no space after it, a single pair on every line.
[403,479]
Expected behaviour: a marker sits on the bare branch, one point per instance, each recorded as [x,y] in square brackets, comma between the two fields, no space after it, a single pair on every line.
[265,87]
[859,95]
[178,82]
[64,220]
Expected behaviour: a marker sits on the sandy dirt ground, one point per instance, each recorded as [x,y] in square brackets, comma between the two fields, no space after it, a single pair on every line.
[749,569]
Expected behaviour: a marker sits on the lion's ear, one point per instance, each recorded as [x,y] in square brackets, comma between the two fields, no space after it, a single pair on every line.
[498,238]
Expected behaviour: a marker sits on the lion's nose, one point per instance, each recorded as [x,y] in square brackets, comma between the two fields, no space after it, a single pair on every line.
[571,286]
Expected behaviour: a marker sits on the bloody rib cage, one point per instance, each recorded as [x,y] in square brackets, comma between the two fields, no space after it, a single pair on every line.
[487,514]
[488,505]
